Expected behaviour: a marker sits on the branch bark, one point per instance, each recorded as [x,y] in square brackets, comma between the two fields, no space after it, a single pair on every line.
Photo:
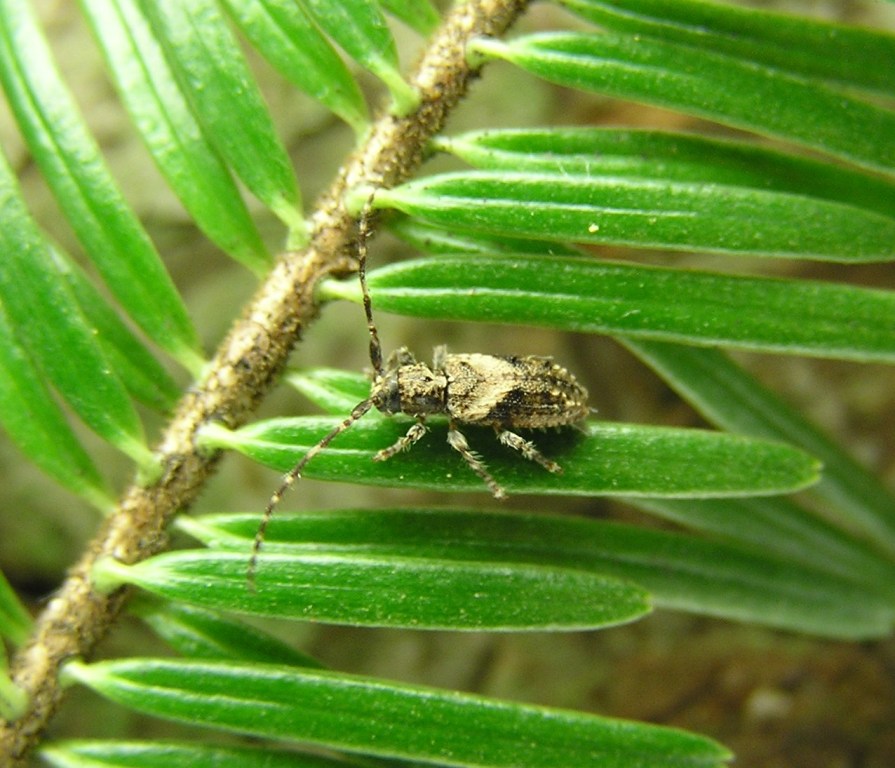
[244,368]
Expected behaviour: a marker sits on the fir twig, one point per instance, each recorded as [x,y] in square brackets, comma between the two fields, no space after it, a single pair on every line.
[243,370]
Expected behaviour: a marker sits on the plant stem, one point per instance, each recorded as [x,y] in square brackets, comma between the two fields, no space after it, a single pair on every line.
[242,371]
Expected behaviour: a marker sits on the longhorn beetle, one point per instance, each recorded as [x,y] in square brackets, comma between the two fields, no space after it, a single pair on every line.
[505,393]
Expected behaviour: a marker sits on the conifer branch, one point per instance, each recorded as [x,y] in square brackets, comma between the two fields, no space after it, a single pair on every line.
[242,371]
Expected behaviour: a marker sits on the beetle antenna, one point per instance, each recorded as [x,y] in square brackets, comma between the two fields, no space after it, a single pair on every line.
[292,476]
[363,233]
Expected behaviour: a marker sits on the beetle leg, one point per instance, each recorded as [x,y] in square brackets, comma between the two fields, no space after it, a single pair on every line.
[458,442]
[527,449]
[415,432]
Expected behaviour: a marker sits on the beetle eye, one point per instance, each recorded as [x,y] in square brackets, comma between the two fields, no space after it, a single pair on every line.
[386,393]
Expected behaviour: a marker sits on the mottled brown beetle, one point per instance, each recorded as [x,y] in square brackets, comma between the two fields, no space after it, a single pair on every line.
[505,393]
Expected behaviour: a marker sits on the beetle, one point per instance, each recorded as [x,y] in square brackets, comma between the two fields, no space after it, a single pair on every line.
[505,393]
